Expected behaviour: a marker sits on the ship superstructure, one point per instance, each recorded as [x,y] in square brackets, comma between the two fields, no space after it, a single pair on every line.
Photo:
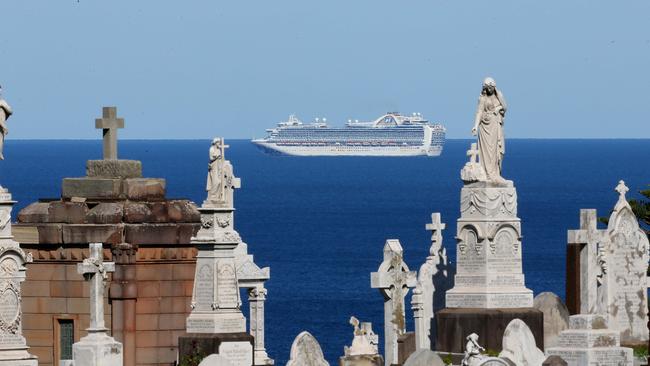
[392,134]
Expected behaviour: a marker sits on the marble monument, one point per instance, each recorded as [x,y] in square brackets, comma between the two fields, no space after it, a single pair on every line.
[519,345]
[556,316]
[489,288]
[589,341]
[393,279]
[305,351]
[216,316]
[97,348]
[13,346]
[364,350]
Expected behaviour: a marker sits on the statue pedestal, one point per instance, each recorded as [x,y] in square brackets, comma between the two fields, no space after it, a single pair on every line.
[489,288]
[97,349]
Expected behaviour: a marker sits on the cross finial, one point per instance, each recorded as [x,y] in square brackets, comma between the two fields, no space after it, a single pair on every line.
[436,227]
[622,189]
[472,153]
[109,123]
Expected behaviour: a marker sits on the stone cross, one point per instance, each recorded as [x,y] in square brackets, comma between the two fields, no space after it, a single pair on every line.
[109,123]
[95,270]
[436,227]
[588,237]
[473,153]
[393,279]
[622,189]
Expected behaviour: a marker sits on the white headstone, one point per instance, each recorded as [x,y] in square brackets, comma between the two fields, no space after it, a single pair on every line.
[589,341]
[519,345]
[435,277]
[393,279]
[97,348]
[215,360]
[13,347]
[626,260]
[305,351]
[361,343]
[424,357]
[556,316]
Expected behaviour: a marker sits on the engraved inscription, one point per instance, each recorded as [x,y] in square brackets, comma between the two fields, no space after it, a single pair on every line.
[238,353]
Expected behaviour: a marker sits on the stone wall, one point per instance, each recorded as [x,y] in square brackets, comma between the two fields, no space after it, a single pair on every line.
[54,290]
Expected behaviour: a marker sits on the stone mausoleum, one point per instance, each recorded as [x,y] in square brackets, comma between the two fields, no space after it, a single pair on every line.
[144,232]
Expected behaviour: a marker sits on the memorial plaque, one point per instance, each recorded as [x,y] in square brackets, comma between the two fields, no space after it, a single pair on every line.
[204,288]
[237,353]
[9,304]
[227,290]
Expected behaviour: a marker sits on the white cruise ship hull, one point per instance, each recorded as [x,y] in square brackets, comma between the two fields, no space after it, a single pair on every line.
[348,150]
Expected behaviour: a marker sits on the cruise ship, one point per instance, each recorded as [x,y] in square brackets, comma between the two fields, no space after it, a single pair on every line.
[392,134]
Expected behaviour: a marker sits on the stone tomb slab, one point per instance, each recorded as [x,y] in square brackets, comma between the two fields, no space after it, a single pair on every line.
[237,348]
[454,325]
[115,168]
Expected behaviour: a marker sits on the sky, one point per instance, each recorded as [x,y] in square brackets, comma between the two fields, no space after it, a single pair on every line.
[199,69]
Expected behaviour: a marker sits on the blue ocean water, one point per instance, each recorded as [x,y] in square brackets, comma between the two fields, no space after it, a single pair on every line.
[320,223]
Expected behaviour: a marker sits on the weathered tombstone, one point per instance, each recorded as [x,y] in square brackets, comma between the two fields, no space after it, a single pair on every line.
[216,320]
[393,279]
[495,361]
[608,269]
[13,348]
[626,260]
[556,316]
[519,345]
[588,341]
[489,287]
[554,361]
[305,351]
[424,357]
[434,279]
[215,360]
[97,348]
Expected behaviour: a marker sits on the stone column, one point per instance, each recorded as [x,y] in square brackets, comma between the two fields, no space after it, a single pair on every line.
[13,347]
[256,298]
[421,329]
[123,295]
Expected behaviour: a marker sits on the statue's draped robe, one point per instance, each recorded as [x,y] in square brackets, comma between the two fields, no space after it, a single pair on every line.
[491,143]
[5,112]
[214,185]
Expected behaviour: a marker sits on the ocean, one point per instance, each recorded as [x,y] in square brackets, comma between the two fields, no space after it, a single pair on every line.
[320,223]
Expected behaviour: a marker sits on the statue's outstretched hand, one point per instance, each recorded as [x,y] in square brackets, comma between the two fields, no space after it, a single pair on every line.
[474,131]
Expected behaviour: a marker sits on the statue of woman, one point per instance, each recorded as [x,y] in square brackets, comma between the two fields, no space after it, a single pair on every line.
[5,112]
[215,172]
[472,351]
[488,124]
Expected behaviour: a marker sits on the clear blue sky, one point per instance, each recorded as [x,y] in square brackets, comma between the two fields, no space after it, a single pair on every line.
[196,69]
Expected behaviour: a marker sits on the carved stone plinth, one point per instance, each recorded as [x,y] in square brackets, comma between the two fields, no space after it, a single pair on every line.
[98,349]
[489,265]
[13,347]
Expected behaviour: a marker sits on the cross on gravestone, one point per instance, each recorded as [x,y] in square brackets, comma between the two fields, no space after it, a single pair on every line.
[393,279]
[589,239]
[622,189]
[436,227]
[109,123]
[472,153]
[95,270]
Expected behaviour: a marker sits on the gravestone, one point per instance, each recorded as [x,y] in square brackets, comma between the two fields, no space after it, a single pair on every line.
[305,351]
[589,341]
[13,347]
[434,279]
[556,316]
[608,269]
[215,360]
[424,357]
[489,287]
[216,320]
[519,345]
[97,348]
[393,279]
[495,361]
[554,361]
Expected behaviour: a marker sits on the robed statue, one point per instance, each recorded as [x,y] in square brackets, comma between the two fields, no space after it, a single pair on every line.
[488,126]
[215,184]
[5,112]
